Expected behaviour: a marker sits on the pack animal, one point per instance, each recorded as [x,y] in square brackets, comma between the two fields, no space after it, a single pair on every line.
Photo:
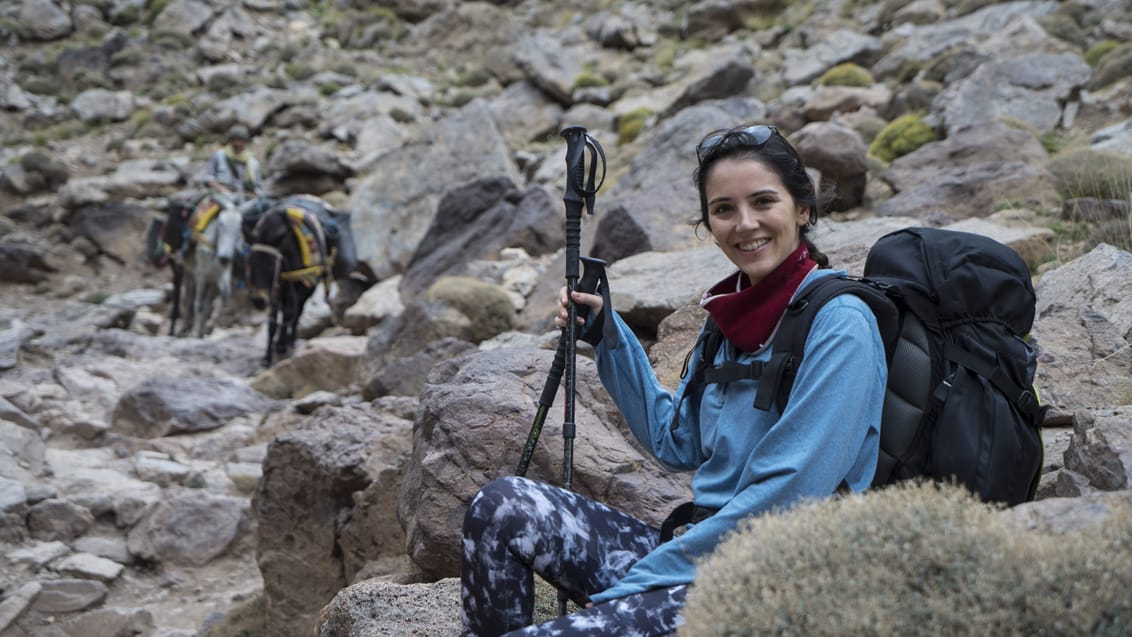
[171,241]
[295,245]
[215,241]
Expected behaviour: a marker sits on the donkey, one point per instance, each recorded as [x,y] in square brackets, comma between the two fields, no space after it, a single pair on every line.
[208,260]
[289,257]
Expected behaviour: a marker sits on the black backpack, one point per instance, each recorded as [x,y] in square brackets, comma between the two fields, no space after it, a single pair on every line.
[954,309]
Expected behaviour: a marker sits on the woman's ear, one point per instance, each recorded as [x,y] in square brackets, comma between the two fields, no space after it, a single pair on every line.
[804,216]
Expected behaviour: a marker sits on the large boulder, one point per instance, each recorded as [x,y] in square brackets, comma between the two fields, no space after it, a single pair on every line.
[310,504]
[476,221]
[395,204]
[1084,317]
[477,411]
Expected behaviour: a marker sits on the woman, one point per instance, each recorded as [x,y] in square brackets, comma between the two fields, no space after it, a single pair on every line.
[759,204]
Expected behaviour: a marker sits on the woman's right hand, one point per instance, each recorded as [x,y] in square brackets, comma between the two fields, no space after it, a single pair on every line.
[592,301]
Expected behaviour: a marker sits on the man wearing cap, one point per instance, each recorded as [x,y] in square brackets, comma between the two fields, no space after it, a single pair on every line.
[233,168]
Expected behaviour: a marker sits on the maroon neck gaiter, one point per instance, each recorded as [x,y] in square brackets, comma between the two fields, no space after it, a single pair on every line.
[748,314]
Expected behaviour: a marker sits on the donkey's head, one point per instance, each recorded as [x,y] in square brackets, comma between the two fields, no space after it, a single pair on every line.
[267,258]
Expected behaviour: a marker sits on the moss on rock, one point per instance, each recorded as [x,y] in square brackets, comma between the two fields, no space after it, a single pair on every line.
[902,136]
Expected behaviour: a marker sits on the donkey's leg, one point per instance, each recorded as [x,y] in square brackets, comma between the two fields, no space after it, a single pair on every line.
[272,326]
[200,299]
[175,312]
[188,301]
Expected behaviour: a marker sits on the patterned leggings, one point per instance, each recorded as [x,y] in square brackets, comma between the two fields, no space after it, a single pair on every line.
[517,527]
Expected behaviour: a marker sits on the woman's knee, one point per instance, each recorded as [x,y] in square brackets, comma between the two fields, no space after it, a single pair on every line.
[491,503]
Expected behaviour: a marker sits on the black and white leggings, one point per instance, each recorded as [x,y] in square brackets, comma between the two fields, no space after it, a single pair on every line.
[517,527]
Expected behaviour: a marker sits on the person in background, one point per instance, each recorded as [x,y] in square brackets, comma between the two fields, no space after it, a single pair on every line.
[233,168]
[759,204]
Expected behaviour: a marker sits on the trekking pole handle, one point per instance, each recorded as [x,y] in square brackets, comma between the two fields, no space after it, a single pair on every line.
[580,192]
[592,272]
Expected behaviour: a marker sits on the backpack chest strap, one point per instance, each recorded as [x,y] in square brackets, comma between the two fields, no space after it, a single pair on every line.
[771,373]
[1022,398]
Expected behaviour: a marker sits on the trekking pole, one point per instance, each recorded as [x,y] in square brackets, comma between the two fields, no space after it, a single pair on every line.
[593,271]
[579,193]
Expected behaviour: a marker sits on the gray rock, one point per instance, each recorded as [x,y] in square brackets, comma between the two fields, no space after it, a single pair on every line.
[394,205]
[189,528]
[43,20]
[476,221]
[58,520]
[38,554]
[1101,447]
[16,602]
[1028,88]
[310,478]
[101,106]
[111,548]
[167,405]
[374,608]
[1084,317]
[476,411]
[88,566]
[69,595]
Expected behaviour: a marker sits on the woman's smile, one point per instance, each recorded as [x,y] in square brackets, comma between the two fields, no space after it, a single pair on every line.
[752,216]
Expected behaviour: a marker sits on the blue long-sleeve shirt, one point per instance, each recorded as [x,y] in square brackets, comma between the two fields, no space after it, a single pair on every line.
[748,461]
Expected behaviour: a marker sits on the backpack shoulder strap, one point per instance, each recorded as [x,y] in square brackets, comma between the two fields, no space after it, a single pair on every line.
[712,339]
[790,340]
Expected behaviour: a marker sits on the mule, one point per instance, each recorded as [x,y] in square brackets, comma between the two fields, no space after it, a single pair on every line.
[215,241]
[289,256]
[171,239]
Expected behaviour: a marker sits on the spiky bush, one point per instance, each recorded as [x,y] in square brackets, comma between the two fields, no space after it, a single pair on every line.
[1114,65]
[846,74]
[1092,173]
[630,124]
[911,561]
[902,136]
[1097,51]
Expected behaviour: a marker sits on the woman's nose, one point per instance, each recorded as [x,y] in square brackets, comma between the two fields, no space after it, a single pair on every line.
[747,218]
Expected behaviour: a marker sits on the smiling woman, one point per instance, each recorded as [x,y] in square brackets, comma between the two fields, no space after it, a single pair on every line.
[759,204]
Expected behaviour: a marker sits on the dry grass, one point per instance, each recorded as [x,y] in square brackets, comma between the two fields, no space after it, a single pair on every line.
[913,560]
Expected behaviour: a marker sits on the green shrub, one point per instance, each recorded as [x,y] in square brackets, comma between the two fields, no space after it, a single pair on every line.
[1114,65]
[902,136]
[1092,173]
[588,79]
[153,8]
[630,124]
[1099,50]
[846,74]
[172,40]
[1065,28]
[913,560]
[327,89]
[1115,232]
[487,306]
[299,71]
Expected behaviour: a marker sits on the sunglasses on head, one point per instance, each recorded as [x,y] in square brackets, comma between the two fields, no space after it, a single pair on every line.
[750,137]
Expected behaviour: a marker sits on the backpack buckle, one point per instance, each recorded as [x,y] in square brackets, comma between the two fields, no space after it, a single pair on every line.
[1026,402]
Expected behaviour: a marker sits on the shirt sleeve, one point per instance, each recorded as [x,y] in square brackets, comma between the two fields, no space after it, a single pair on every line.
[831,425]
[648,407]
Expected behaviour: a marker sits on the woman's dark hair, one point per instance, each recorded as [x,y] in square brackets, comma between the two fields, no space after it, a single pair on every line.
[767,146]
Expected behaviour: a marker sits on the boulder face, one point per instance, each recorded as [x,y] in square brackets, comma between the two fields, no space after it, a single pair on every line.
[311,476]
[475,417]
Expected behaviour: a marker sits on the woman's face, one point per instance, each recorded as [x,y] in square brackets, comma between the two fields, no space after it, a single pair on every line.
[752,215]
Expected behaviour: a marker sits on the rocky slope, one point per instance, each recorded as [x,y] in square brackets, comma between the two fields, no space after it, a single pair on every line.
[151,485]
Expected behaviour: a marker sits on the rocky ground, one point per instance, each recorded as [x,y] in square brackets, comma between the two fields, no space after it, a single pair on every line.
[437,124]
